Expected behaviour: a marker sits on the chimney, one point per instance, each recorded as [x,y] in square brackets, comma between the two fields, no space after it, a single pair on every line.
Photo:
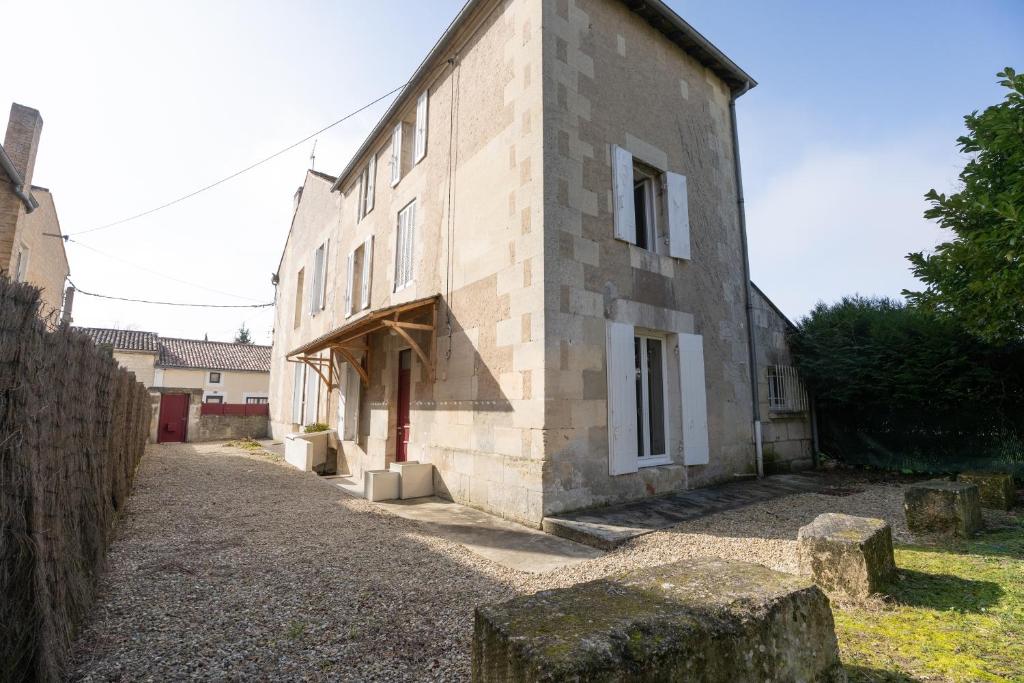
[22,140]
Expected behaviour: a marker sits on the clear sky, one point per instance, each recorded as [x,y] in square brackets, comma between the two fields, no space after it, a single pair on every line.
[855,116]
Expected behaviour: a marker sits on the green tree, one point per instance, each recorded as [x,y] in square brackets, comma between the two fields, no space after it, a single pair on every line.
[978,276]
[243,336]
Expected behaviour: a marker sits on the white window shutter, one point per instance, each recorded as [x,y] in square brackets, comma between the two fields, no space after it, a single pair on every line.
[297,383]
[342,371]
[367,272]
[678,216]
[371,180]
[316,291]
[396,154]
[323,275]
[621,367]
[421,126]
[351,387]
[348,286]
[309,413]
[694,399]
[624,212]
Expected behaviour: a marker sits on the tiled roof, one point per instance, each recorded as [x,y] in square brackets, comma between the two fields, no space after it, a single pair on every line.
[193,353]
[123,340]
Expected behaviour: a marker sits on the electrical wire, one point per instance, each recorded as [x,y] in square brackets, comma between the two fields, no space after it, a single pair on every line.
[166,303]
[238,173]
[158,273]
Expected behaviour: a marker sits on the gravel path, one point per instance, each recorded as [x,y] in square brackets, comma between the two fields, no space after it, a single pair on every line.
[231,566]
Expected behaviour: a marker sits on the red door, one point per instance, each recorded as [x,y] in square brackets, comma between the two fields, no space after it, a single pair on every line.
[404,385]
[173,418]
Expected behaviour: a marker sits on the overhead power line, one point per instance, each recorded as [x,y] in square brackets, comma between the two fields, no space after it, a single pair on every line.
[238,173]
[158,273]
[167,303]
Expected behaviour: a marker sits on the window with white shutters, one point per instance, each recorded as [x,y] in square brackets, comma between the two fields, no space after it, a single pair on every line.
[350,282]
[404,246]
[318,291]
[642,195]
[298,381]
[396,154]
[366,272]
[421,127]
[367,182]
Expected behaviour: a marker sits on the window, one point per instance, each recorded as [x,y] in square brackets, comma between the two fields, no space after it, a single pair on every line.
[404,246]
[214,378]
[396,154]
[215,399]
[785,391]
[643,197]
[645,208]
[257,400]
[367,182]
[421,127]
[298,296]
[360,267]
[649,363]
[298,382]
[318,293]
[21,266]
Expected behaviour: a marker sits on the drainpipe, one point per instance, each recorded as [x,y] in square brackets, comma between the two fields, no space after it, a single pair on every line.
[751,346]
[18,185]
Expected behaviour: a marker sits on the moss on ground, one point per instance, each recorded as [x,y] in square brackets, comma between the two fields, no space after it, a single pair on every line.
[956,614]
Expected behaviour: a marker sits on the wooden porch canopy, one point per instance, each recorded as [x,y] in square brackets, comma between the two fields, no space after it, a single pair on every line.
[350,341]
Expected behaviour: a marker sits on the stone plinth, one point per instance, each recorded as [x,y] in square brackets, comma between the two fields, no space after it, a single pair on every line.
[996,489]
[699,620]
[943,507]
[381,485]
[417,479]
[848,556]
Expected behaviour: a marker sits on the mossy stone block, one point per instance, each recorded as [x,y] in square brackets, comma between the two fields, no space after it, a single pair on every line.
[952,508]
[698,620]
[996,489]
[846,555]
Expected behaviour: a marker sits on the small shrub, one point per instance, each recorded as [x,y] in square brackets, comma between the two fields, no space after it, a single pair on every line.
[315,427]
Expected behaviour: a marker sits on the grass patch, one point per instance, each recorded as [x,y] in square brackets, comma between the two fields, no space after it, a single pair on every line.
[956,614]
[245,444]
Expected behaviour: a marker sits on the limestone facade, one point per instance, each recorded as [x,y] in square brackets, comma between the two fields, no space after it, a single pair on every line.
[528,105]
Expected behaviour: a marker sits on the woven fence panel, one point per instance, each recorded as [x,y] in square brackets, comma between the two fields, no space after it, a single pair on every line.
[73,427]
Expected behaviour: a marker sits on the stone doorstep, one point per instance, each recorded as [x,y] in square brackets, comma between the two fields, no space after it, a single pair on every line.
[847,555]
[704,619]
[609,527]
[940,506]
[997,490]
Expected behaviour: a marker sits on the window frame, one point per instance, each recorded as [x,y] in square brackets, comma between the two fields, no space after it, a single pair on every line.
[257,400]
[210,399]
[651,181]
[646,458]
[300,281]
[211,380]
[420,130]
[409,211]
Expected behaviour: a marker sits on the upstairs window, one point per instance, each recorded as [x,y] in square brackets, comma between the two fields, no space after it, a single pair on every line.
[396,154]
[299,280]
[318,292]
[214,378]
[367,182]
[360,274]
[404,246]
[421,127]
[642,196]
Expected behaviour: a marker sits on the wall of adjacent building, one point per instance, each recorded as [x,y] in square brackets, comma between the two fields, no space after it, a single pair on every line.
[21,143]
[787,438]
[143,364]
[47,261]
[234,385]
[612,79]
[480,421]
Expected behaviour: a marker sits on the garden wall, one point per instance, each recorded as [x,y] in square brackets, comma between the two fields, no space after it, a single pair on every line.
[73,427]
[227,427]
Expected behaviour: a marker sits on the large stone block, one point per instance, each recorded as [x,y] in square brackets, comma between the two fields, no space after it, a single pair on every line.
[416,479]
[943,507]
[996,489]
[699,620]
[845,555]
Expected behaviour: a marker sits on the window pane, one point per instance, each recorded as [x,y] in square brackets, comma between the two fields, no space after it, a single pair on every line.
[656,395]
[640,209]
[637,353]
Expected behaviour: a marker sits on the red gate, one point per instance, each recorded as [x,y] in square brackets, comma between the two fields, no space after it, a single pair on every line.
[173,418]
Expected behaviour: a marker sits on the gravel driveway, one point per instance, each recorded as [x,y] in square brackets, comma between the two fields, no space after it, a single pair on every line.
[231,566]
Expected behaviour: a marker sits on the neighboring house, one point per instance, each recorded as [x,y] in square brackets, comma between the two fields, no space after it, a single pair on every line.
[226,377]
[31,248]
[533,273]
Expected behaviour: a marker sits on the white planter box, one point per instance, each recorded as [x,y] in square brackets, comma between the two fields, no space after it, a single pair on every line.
[306,451]
[417,478]
[380,485]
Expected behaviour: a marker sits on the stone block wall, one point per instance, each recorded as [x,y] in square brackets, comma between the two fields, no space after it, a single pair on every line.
[227,427]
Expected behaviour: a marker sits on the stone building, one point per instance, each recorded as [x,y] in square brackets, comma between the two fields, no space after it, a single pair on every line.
[30,246]
[533,272]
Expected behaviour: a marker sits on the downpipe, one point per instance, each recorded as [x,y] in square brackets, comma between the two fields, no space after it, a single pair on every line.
[752,344]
